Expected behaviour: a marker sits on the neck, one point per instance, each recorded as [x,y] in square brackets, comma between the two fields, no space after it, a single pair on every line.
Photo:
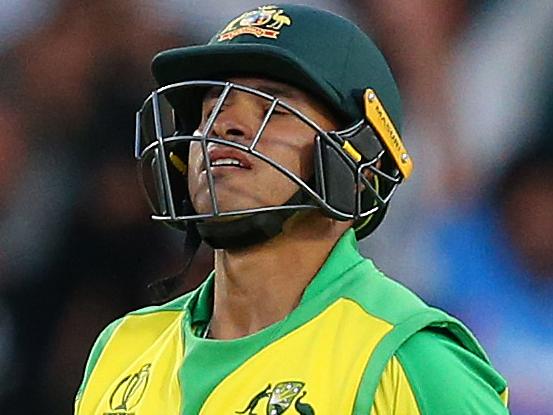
[261,285]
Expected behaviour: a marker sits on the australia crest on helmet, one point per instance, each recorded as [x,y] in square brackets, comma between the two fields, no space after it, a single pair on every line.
[265,21]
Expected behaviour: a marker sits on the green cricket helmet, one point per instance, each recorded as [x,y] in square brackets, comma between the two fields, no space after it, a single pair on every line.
[314,50]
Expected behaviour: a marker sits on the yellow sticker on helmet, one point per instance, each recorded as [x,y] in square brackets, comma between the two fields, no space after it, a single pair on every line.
[354,154]
[378,118]
[178,163]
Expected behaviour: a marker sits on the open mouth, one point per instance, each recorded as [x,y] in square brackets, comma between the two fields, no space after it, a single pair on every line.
[228,162]
[228,158]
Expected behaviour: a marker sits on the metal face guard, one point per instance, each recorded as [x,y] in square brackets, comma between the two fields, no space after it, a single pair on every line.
[167,124]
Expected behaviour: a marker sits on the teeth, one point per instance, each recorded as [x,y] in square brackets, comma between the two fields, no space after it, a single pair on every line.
[226,162]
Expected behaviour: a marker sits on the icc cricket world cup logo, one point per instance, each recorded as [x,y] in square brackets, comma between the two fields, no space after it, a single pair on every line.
[129,392]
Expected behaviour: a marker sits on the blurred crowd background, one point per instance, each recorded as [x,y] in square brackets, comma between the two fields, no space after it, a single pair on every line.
[471,232]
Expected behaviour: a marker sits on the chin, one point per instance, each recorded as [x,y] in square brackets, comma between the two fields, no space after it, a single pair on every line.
[203,205]
[241,197]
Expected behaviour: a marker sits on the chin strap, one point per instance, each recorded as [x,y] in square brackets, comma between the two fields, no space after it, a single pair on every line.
[250,229]
[162,289]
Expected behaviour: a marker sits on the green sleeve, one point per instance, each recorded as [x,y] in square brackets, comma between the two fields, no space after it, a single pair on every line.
[448,379]
[95,353]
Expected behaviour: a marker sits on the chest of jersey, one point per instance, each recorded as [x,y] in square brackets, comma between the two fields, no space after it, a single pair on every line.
[151,365]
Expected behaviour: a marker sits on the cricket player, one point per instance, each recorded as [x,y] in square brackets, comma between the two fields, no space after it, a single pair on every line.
[278,144]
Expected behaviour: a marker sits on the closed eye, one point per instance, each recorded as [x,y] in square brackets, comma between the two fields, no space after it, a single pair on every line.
[281,112]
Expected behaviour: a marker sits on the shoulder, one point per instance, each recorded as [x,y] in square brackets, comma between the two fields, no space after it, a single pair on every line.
[176,304]
[107,333]
[172,309]
[381,295]
[444,377]
[94,355]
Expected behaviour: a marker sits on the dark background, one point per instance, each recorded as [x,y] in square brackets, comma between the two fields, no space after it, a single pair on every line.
[471,232]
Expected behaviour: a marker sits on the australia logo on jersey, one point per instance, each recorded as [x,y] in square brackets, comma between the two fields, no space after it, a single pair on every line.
[129,391]
[265,21]
[279,399]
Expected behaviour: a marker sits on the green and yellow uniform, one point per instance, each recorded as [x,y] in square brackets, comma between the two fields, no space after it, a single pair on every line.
[358,343]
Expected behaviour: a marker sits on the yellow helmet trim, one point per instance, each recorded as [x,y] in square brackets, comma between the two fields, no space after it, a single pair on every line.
[381,122]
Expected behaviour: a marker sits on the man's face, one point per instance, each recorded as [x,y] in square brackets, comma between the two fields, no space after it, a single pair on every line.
[286,140]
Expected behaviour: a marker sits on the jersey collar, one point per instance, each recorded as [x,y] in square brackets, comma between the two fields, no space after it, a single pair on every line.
[344,256]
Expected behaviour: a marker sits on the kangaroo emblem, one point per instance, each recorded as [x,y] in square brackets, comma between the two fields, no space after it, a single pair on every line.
[280,20]
[265,21]
[253,403]
[280,399]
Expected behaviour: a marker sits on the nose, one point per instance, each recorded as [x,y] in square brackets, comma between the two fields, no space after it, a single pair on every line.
[237,121]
